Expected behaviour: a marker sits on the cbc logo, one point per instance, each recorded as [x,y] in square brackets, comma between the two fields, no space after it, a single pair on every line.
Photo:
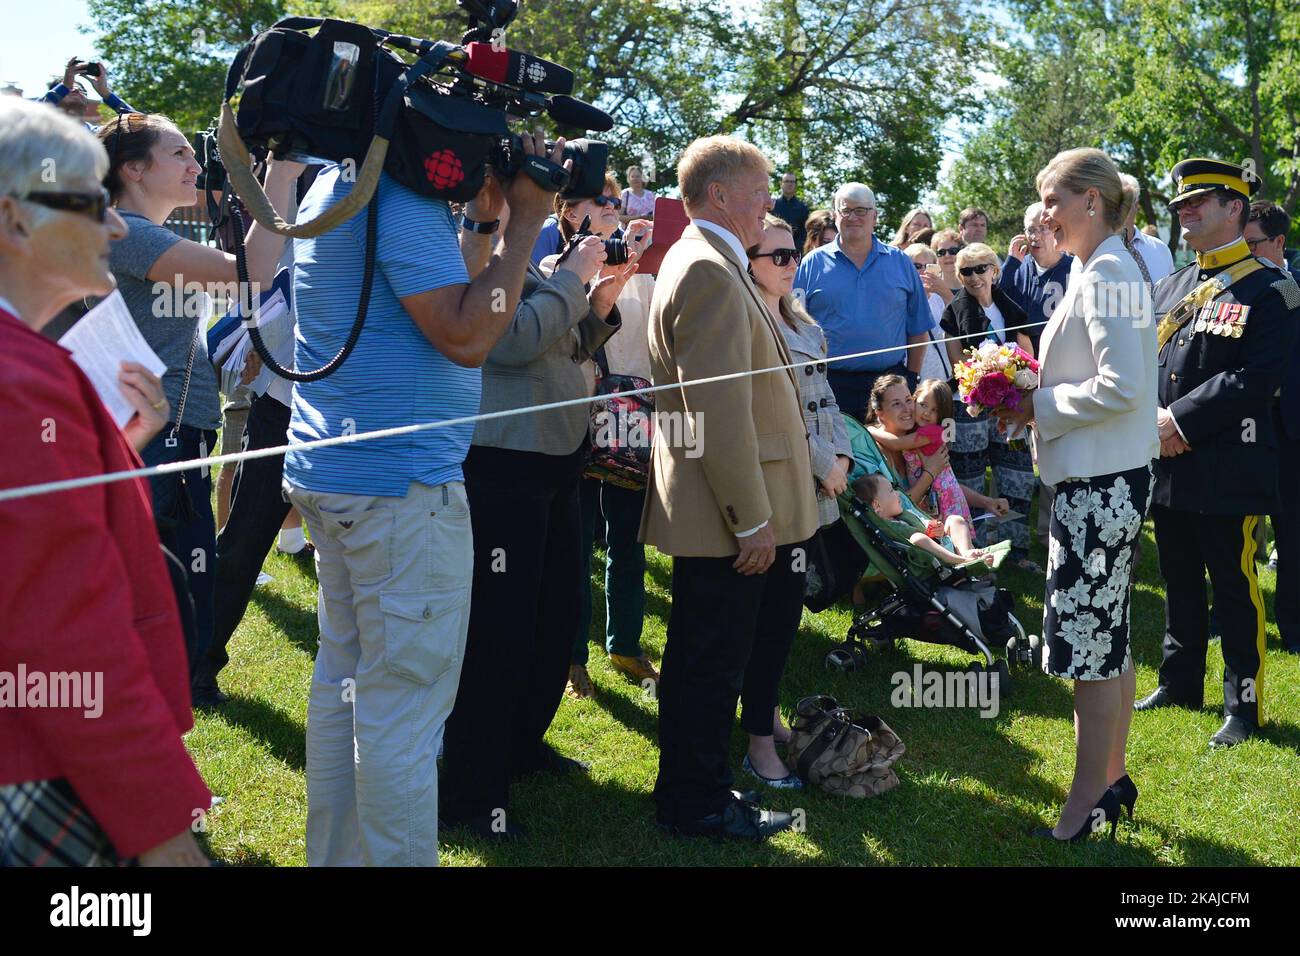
[536,73]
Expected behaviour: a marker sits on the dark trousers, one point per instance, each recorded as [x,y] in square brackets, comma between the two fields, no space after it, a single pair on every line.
[853,389]
[524,611]
[1286,534]
[186,526]
[1189,544]
[257,509]
[719,617]
[618,511]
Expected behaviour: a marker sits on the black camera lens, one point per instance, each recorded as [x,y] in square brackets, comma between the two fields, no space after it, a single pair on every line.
[92,69]
[615,252]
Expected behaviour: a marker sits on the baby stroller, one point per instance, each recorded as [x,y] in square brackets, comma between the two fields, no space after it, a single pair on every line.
[913,594]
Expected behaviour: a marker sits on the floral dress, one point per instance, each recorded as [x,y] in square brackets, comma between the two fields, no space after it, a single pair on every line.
[945,496]
[1095,522]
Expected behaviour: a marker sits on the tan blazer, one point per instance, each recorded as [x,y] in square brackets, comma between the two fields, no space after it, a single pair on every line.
[750,463]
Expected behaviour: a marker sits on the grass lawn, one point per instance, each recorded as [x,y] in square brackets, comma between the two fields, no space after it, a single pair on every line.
[971,787]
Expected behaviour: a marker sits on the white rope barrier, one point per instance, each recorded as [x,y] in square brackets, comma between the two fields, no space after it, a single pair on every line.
[69,484]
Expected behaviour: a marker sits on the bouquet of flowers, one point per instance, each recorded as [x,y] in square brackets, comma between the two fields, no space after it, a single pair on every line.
[996,376]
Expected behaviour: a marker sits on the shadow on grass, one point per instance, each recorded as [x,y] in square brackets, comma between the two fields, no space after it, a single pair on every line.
[283,736]
[298,624]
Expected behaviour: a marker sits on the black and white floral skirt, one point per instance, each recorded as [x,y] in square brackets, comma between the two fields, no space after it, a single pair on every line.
[1095,524]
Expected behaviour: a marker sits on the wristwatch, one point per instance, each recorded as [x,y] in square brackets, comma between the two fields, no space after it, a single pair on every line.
[482,228]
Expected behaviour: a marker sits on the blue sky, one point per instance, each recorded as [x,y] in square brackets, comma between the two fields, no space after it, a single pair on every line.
[38,39]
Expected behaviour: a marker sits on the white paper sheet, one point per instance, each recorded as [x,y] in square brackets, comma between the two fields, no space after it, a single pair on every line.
[105,337]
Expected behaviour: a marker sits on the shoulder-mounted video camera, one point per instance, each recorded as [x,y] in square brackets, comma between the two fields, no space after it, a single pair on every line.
[436,124]
[320,90]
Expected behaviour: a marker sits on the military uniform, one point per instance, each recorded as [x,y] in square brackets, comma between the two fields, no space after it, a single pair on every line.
[1225,337]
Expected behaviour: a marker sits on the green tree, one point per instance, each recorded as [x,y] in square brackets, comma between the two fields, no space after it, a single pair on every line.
[1151,82]
[171,56]
[837,89]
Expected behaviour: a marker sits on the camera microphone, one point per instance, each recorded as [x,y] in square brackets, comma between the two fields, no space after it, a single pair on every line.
[567,111]
[521,70]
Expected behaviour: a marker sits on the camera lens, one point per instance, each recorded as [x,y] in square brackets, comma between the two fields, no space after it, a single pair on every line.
[615,252]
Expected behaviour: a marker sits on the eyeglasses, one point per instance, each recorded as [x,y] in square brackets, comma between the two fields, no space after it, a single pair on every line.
[978,270]
[950,251]
[1252,243]
[608,201]
[779,257]
[857,212]
[94,205]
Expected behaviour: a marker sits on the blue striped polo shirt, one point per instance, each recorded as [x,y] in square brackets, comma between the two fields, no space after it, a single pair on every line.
[394,376]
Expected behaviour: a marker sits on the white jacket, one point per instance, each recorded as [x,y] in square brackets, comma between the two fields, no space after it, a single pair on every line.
[1095,409]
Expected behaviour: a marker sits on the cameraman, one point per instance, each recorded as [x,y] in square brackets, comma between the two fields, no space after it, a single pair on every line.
[389,517]
[522,477]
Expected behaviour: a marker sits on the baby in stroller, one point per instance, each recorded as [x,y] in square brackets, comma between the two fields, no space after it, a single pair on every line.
[886,501]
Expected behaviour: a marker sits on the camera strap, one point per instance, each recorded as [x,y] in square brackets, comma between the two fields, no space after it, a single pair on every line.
[235,157]
[364,192]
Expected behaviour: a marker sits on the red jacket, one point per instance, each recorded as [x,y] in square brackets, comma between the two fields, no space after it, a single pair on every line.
[83,588]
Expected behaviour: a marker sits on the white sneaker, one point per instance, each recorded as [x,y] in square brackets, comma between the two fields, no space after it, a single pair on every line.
[263,578]
[1272,560]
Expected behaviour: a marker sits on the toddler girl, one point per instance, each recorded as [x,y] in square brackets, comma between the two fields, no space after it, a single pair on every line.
[950,501]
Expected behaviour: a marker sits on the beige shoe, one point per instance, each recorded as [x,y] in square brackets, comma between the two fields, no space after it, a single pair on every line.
[638,668]
[580,685]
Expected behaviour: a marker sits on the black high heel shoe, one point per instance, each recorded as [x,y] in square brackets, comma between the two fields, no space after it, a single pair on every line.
[1127,792]
[1108,806]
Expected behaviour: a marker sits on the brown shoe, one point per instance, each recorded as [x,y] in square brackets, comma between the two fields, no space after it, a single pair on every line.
[638,668]
[580,685]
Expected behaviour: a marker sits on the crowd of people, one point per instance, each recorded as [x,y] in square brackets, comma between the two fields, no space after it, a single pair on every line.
[454,563]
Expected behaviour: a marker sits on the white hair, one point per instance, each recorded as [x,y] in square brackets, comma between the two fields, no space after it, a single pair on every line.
[1130,182]
[1032,212]
[42,148]
[858,192]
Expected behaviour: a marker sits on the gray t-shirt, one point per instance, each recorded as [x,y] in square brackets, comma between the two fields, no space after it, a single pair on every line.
[167,320]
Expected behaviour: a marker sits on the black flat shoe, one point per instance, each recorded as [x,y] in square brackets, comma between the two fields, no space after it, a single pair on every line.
[1126,792]
[1235,730]
[208,699]
[549,760]
[1163,697]
[1106,811]
[739,820]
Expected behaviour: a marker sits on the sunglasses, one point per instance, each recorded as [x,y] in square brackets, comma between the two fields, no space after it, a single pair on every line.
[779,257]
[978,270]
[949,251]
[608,201]
[94,205]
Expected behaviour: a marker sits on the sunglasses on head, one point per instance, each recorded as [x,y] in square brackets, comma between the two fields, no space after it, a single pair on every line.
[949,251]
[94,205]
[608,201]
[978,270]
[779,257]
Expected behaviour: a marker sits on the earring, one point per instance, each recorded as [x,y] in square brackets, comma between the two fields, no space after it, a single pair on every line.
[1091,211]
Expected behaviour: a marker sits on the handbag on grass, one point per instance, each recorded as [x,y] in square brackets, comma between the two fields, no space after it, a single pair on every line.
[622,429]
[842,751]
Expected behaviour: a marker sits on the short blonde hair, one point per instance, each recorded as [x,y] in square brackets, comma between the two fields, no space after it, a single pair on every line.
[1079,170]
[975,254]
[715,159]
[943,237]
[917,249]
